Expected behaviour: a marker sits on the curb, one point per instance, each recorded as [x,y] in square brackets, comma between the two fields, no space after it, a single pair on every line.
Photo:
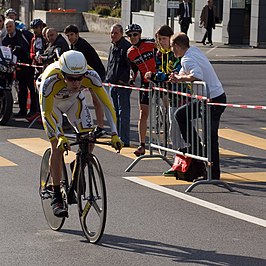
[238,62]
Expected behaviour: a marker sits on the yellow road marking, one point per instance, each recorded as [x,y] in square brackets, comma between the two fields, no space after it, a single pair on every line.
[244,177]
[227,153]
[38,146]
[228,177]
[5,162]
[34,145]
[243,138]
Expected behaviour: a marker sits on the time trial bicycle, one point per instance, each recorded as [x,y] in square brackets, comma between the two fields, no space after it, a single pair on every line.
[86,188]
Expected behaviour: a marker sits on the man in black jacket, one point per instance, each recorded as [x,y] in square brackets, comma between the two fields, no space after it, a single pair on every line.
[93,60]
[185,15]
[118,72]
[79,44]
[57,46]
[19,41]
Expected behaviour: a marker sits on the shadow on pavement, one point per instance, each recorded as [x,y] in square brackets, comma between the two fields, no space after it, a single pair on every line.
[177,254]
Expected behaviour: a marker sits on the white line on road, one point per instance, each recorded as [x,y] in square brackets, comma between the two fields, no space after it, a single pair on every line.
[203,203]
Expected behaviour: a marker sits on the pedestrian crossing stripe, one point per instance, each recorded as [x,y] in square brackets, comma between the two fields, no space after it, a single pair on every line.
[38,146]
[243,138]
[227,177]
[5,162]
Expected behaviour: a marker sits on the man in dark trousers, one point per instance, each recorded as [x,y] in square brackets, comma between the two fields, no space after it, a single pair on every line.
[19,41]
[118,72]
[93,60]
[185,15]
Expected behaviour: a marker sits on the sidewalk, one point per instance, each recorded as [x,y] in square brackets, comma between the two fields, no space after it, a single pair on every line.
[218,53]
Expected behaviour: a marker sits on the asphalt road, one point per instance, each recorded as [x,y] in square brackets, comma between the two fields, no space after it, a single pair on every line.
[147,224]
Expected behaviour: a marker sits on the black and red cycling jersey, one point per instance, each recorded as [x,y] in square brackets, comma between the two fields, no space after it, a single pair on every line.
[142,57]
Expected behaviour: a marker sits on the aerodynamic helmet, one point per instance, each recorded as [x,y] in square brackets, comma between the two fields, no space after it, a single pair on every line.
[73,63]
[133,27]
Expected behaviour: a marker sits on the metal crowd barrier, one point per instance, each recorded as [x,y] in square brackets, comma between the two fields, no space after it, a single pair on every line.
[164,133]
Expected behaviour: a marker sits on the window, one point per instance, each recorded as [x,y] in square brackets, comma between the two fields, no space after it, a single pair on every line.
[219,6]
[147,5]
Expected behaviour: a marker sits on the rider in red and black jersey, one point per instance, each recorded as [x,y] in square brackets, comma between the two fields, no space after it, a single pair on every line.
[142,57]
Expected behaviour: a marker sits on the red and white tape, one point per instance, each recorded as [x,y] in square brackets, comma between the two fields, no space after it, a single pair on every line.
[126,87]
[245,106]
[29,65]
[199,97]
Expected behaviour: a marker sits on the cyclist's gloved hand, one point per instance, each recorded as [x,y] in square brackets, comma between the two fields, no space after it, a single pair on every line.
[117,143]
[63,143]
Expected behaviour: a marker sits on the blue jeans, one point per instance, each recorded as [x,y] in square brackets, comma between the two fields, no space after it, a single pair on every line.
[121,101]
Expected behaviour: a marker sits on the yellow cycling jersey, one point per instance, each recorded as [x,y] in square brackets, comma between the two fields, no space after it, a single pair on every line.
[52,86]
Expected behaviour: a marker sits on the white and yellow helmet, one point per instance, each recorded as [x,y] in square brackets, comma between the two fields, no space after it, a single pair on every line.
[73,63]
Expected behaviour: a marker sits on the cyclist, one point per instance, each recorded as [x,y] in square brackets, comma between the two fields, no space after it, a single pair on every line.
[61,86]
[142,58]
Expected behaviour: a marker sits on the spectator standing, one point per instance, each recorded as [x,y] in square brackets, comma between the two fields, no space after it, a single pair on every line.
[44,31]
[19,41]
[12,14]
[167,63]
[2,28]
[118,72]
[185,15]
[142,57]
[93,60]
[57,46]
[196,66]
[79,44]
[38,44]
[207,20]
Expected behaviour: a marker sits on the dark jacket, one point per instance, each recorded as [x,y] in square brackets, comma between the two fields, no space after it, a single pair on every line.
[182,12]
[118,66]
[20,43]
[93,60]
[55,49]
[205,20]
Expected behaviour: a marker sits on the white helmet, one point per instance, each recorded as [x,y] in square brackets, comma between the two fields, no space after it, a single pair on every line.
[73,63]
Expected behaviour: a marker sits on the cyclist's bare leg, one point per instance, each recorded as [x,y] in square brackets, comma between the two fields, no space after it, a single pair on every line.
[98,110]
[56,164]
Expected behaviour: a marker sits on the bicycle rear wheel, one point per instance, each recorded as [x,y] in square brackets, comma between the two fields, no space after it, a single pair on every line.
[55,223]
[92,199]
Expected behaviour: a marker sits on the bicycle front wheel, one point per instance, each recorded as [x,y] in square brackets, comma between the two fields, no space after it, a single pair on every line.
[92,199]
[55,223]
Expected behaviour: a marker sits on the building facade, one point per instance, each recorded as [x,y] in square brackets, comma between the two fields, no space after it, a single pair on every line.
[240,21]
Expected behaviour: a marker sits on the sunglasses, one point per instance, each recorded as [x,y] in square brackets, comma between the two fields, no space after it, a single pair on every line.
[69,78]
[133,34]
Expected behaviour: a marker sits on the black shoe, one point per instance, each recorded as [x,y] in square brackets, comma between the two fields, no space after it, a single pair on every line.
[72,198]
[99,132]
[58,207]
[203,42]
[20,114]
